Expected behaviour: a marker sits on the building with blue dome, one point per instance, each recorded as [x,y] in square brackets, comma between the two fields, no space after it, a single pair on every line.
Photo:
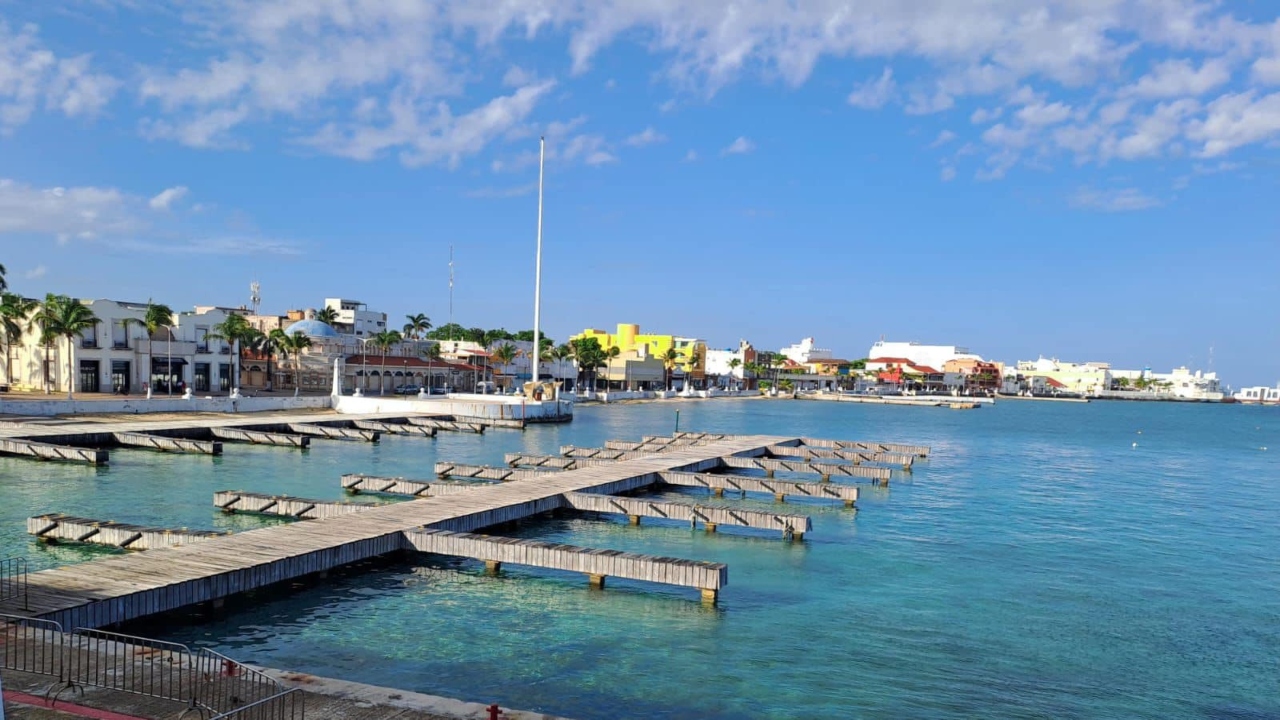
[311,328]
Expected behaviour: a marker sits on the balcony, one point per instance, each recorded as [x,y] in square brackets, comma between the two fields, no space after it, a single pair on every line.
[165,347]
[89,343]
[119,344]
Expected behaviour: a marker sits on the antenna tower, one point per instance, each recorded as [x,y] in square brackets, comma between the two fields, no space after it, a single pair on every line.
[255,295]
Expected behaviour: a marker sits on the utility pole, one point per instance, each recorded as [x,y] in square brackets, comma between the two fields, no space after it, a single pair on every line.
[537,278]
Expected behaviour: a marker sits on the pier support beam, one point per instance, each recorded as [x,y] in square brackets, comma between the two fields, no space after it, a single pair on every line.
[710,596]
[635,519]
[711,527]
[597,581]
[492,567]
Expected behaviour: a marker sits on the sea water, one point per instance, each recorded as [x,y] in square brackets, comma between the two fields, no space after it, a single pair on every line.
[1038,564]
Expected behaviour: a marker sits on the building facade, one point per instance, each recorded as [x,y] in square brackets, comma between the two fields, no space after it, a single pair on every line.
[718,363]
[355,318]
[934,356]
[805,351]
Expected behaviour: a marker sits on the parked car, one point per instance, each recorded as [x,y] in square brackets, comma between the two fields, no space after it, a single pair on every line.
[408,389]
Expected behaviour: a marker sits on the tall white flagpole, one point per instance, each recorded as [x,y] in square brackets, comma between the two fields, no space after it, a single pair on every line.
[537,278]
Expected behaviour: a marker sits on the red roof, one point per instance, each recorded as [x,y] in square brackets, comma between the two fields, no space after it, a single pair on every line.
[925,369]
[1054,383]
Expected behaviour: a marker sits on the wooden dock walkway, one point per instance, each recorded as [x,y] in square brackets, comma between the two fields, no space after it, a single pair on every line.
[258,437]
[57,526]
[390,428]
[335,433]
[233,501]
[489,472]
[711,516]
[49,451]
[122,588]
[779,489]
[167,444]
[447,424]
[356,483]
[857,457]
[827,470]
[708,577]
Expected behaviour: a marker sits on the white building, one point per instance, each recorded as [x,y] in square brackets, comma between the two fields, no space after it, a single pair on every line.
[520,370]
[1183,383]
[1260,395]
[805,350]
[934,356]
[355,318]
[117,356]
[718,361]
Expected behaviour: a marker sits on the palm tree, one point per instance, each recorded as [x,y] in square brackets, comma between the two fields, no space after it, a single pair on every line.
[417,326]
[383,341]
[63,317]
[327,315]
[237,331]
[669,360]
[292,344]
[504,355]
[14,313]
[156,316]
[734,364]
[691,364]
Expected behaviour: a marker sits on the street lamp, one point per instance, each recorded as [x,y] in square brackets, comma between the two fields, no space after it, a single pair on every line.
[364,360]
[169,352]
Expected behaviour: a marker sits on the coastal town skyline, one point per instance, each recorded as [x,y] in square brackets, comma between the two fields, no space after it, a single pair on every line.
[1086,182]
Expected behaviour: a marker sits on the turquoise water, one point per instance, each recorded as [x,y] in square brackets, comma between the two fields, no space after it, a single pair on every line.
[1038,565]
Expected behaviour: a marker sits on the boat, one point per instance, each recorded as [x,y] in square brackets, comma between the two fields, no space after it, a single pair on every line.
[1259,395]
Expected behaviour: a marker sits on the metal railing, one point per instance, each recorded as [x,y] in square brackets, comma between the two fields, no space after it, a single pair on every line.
[209,683]
[13,579]
[288,705]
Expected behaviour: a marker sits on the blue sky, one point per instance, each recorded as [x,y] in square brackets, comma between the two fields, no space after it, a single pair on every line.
[1093,180]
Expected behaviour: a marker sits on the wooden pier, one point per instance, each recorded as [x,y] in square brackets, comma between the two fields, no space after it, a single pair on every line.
[390,428]
[123,588]
[694,438]
[357,483]
[708,577]
[857,457]
[167,444]
[557,462]
[56,526]
[233,501]
[48,451]
[335,433]
[488,472]
[711,516]
[826,470]
[258,437]
[447,424]
[779,489]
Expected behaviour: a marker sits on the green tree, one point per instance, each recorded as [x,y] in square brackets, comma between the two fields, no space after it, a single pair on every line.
[496,336]
[292,344]
[156,316]
[448,331]
[66,318]
[15,312]
[417,326]
[734,364]
[691,364]
[859,364]
[504,355]
[384,341]
[237,331]
[327,315]
[590,356]
[669,360]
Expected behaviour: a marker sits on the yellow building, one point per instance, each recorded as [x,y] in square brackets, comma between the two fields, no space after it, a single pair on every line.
[628,338]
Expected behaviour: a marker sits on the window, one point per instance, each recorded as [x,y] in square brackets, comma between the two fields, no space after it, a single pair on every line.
[119,334]
[202,339]
[89,338]
[224,377]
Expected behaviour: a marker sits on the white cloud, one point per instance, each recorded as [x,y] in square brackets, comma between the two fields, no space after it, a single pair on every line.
[1178,78]
[609,84]
[648,136]
[431,135]
[1267,70]
[167,197]
[1040,113]
[948,173]
[31,75]
[741,146]
[116,219]
[691,156]
[943,138]
[517,76]
[35,273]
[982,116]
[874,92]
[1113,200]
[666,107]
[1235,120]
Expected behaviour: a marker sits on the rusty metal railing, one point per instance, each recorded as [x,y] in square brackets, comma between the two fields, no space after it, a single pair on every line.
[13,579]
